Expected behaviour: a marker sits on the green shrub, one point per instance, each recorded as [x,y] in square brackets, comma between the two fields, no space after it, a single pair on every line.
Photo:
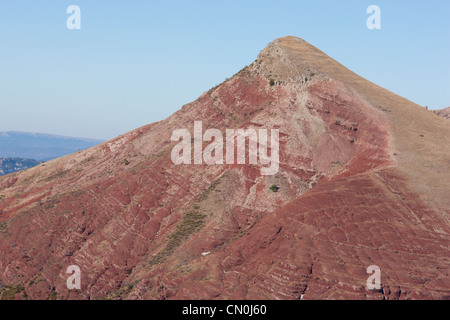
[274,188]
[53,296]
[9,292]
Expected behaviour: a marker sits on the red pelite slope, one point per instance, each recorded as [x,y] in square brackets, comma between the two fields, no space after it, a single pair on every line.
[362,179]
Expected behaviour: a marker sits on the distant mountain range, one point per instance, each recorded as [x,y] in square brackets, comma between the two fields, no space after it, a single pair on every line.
[23,150]
[10,165]
[41,147]
[444,113]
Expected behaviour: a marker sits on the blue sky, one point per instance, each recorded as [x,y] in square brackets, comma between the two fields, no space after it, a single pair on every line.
[136,62]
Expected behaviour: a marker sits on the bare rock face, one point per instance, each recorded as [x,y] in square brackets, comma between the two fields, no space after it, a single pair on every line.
[363,180]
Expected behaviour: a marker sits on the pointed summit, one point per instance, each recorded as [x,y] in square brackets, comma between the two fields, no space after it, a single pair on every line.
[288,58]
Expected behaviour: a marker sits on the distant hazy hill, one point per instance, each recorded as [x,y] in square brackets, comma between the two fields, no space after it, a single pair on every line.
[444,113]
[41,147]
[10,165]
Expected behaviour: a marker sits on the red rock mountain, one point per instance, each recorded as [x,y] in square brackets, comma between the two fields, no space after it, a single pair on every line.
[364,180]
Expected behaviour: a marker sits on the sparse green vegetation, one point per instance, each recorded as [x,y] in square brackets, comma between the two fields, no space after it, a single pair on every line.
[191,223]
[274,188]
[211,188]
[52,296]
[4,229]
[35,280]
[9,292]
[119,293]
[51,203]
[271,82]
[126,162]
[206,278]
[57,175]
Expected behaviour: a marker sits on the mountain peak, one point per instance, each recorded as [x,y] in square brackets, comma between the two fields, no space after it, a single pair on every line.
[363,179]
[294,59]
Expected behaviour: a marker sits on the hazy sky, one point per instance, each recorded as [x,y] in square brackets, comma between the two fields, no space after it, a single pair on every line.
[136,62]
